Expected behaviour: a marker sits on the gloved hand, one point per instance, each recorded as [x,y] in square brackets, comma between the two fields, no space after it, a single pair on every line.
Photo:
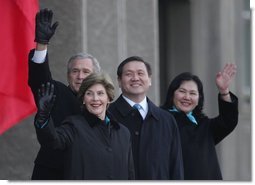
[46,99]
[43,28]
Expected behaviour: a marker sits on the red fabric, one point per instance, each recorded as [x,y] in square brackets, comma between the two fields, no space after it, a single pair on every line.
[17,19]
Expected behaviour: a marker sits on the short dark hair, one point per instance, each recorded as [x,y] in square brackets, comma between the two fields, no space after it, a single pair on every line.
[175,84]
[131,59]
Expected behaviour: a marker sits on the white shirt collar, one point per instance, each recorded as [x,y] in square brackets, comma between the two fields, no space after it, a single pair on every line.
[143,103]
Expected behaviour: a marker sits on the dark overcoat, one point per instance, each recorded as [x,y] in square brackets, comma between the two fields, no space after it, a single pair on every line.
[49,163]
[95,151]
[198,141]
[155,141]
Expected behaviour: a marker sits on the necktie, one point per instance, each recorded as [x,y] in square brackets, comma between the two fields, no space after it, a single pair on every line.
[137,106]
[189,115]
[140,110]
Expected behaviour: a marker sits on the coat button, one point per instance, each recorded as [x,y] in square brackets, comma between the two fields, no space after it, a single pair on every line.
[136,133]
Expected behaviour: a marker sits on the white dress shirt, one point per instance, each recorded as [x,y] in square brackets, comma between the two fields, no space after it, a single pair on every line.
[143,104]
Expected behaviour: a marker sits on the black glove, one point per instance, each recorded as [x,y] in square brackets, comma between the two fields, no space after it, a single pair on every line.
[43,28]
[46,99]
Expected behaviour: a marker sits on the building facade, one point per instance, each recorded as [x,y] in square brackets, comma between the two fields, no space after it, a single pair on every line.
[199,36]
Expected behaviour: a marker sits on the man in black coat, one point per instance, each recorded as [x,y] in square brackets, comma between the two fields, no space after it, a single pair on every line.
[155,138]
[49,163]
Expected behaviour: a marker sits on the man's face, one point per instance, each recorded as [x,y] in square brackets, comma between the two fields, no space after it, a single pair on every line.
[134,81]
[80,69]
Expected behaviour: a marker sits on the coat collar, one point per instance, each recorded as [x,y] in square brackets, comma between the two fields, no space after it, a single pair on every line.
[125,109]
[93,120]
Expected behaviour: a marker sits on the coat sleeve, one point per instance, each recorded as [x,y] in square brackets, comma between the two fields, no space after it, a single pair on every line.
[37,73]
[227,119]
[55,138]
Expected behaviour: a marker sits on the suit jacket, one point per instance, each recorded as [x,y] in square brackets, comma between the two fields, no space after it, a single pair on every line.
[155,141]
[66,104]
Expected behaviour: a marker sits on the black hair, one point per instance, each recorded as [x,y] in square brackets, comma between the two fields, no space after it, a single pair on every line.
[175,84]
[131,59]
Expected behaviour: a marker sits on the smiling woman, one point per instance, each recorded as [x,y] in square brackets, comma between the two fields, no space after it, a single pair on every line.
[186,96]
[97,92]
[95,99]
[199,134]
[96,146]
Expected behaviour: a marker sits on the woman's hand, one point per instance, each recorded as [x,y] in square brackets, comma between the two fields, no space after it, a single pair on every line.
[46,99]
[224,78]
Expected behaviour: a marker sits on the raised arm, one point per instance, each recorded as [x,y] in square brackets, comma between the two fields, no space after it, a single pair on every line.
[39,71]
[47,135]
[44,29]
[46,99]
[223,80]
[227,120]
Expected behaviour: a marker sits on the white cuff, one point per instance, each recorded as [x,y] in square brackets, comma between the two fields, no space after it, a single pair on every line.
[39,56]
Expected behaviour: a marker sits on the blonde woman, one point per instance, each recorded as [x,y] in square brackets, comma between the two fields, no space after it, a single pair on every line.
[97,147]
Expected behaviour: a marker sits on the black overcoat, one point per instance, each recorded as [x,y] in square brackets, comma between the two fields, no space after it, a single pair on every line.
[198,141]
[48,162]
[95,151]
[155,141]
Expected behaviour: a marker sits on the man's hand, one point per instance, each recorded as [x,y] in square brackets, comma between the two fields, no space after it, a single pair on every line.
[46,99]
[43,28]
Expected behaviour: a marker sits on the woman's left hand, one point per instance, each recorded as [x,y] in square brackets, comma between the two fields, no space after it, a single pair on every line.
[224,78]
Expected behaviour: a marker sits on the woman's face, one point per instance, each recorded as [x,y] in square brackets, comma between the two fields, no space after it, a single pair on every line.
[96,100]
[186,96]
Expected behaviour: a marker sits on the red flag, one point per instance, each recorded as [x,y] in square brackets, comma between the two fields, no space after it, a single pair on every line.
[17,34]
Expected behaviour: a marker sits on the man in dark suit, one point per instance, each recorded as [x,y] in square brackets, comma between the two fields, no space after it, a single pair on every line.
[155,137]
[49,163]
